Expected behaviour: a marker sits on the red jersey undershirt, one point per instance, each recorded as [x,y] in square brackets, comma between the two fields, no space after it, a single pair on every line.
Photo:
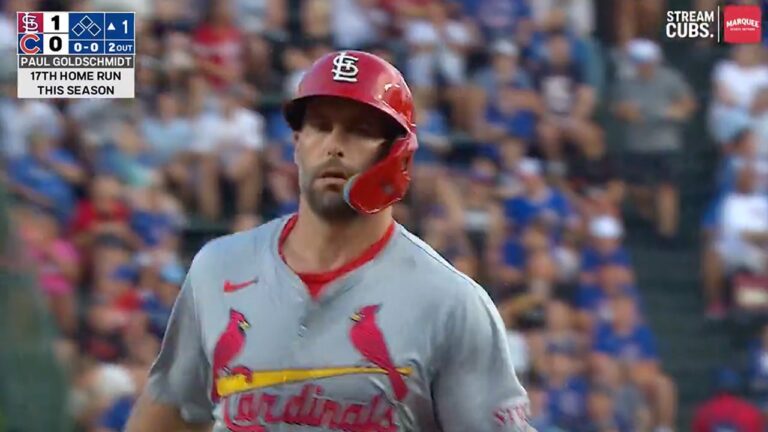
[315,282]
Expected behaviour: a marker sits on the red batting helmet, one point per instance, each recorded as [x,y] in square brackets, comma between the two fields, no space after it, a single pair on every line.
[368,79]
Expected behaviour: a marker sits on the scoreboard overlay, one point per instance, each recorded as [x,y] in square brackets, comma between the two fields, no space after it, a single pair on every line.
[76,55]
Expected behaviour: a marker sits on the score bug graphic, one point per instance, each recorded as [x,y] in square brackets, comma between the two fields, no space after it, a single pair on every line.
[96,47]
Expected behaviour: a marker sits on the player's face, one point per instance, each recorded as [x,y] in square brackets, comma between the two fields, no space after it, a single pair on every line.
[339,139]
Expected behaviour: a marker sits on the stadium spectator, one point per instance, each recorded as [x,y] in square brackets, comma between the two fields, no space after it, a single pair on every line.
[594,183]
[541,419]
[568,102]
[57,262]
[760,121]
[229,145]
[602,414]
[626,342]
[102,214]
[218,46]
[483,217]
[168,134]
[578,15]
[438,46]
[653,104]
[46,176]
[539,202]
[560,332]
[736,82]
[742,229]
[604,248]
[726,410]
[566,389]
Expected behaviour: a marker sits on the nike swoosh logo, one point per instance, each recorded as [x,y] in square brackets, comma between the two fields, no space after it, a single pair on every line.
[261,379]
[230,286]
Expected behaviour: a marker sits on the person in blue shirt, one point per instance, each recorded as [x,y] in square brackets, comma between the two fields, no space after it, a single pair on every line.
[566,390]
[432,131]
[158,303]
[626,346]
[155,216]
[508,111]
[46,176]
[540,419]
[539,202]
[594,300]
[602,415]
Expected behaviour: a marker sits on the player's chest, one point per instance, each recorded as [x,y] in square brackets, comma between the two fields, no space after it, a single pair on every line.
[279,357]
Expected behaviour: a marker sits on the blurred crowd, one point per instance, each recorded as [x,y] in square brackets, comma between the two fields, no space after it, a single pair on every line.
[515,182]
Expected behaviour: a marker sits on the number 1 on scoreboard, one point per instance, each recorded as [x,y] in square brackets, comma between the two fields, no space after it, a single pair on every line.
[55,22]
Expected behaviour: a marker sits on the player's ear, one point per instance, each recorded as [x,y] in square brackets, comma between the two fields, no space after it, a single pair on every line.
[295,140]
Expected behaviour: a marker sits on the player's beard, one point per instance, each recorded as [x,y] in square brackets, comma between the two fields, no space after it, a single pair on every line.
[327,201]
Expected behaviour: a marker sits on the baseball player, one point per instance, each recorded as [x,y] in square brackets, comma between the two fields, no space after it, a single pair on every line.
[335,318]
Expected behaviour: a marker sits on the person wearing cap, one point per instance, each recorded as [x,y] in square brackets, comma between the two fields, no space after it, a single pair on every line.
[726,410]
[605,247]
[287,310]
[653,105]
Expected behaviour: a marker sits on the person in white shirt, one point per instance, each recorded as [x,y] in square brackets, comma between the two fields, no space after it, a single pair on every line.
[736,83]
[229,144]
[743,225]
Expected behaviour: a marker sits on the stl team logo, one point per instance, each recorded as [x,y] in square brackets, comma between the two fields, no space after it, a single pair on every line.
[29,25]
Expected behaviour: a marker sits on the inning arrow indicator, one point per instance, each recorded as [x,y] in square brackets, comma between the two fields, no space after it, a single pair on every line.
[111,26]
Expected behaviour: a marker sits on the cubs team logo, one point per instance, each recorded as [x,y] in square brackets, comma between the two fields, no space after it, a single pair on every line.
[30,43]
[247,406]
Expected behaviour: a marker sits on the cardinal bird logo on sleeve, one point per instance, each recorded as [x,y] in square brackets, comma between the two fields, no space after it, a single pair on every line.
[368,340]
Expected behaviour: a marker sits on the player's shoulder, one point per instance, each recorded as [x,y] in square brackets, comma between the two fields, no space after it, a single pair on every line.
[427,270]
[235,249]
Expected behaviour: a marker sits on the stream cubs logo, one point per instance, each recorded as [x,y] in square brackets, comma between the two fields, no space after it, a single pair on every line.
[249,406]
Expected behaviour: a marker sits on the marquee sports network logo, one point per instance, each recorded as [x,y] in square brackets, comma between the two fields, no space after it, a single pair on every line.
[734,24]
[742,24]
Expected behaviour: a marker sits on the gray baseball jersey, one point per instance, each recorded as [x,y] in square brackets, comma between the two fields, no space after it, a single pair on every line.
[403,343]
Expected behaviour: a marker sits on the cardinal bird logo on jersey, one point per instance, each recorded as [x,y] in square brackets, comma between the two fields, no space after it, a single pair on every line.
[229,345]
[368,340]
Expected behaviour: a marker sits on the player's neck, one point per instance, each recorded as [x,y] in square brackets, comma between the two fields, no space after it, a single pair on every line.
[315,245]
